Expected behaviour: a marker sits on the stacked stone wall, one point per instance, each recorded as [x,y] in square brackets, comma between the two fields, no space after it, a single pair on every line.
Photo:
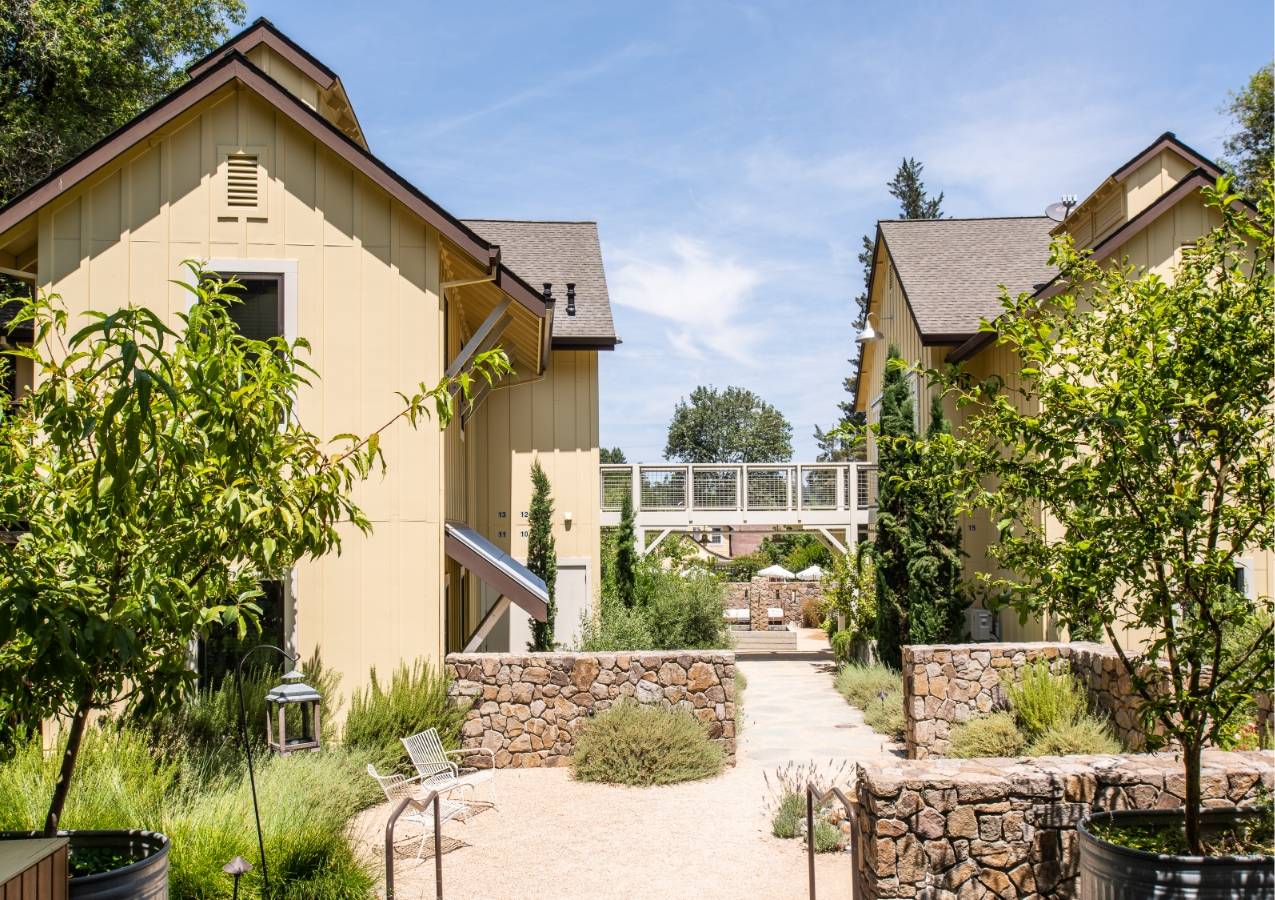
[760,594]
[527,708]
[947,829]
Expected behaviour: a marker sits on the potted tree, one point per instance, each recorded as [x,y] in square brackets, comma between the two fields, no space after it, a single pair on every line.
[1130,474]
[150,480]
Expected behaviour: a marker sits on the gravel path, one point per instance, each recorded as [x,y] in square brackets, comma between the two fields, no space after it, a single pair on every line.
[554,837]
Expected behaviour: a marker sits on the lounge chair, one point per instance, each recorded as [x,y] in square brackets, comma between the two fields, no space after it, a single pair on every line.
[775,615]
[436,770]
[737,616]
[399,787]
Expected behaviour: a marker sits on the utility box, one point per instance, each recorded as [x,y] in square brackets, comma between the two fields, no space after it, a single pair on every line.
[981,624]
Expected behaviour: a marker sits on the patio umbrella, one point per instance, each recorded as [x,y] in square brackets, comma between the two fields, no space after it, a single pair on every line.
[810,573]
[778,572]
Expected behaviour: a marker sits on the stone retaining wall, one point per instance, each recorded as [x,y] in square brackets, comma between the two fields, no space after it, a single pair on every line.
[527,707]
[951,683]
[953,829]
[758,595]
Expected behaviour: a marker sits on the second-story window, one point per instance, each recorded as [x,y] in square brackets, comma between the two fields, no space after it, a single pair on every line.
[259,314]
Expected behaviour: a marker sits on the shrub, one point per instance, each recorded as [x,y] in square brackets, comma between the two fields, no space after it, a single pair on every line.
[884,715]
[786,822]
[1088,734]
[122,783]
[993,735]
[674,611]
[827,837]
[861,685]
[813,610]
[614,627]
[1044,701]
[643,745]
[741,684]
[841,641]
[415,700]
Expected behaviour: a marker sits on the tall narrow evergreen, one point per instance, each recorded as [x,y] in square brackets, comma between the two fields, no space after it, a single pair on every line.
[626,556]
[542,557]
[892,542]
[918,536]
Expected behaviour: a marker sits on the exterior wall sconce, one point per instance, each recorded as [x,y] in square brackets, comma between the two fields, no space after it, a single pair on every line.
[869,334]
[293,692]
[567,519]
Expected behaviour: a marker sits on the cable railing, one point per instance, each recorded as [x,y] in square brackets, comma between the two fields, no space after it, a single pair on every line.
[752,487]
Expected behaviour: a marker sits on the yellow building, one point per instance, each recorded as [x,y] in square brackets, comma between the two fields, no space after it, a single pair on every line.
[258,166]
[934,280]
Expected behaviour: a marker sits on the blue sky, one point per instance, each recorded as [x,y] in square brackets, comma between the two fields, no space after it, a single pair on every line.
[733,154]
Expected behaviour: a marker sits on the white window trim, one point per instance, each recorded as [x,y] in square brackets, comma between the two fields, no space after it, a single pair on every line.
[285,267]
[1250,589]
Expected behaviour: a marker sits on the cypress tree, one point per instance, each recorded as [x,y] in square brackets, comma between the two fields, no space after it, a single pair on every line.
[626,558]
[918,536]
[542,557]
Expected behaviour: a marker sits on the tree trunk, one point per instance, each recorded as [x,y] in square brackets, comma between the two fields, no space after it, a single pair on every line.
[69,757]
[1191,760]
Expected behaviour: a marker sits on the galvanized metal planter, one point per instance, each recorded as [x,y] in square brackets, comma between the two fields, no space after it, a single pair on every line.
[1111,872]
[144,879]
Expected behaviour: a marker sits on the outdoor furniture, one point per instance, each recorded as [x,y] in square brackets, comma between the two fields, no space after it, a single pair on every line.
[436,770]
[737,616]
[775,615]
[399,787]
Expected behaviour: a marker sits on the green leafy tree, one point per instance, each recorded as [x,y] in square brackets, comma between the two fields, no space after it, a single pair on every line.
[73,71]
[851,587]
[1251,149]
[1146,436]
[611,455]
[915,202]
[733,425]
[626,554]
[155,479]
[917,544]
[542,555]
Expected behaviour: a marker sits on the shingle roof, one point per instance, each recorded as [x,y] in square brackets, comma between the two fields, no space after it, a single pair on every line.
[559,252]
[951,268]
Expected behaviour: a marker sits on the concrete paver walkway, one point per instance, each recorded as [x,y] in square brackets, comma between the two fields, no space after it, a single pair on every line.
[555,837]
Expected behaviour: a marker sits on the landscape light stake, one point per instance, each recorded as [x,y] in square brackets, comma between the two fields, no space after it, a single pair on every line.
[247,749]
[237,868]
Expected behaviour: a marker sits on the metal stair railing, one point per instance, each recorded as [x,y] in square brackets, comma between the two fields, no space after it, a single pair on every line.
[430,799]
[814,799]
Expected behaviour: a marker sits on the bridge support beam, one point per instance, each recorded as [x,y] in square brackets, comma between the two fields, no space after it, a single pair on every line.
[836,544]
[643,549]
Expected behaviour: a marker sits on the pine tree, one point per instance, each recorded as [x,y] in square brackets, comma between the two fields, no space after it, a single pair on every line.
[918,536]
[542,557]
[626,558]
[914,203]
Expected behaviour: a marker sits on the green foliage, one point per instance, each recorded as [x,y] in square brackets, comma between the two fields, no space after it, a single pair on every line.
[611,455]
[673,611]
[125,781]
[415,700]
[861,685]
[733,425]
[542,557]
[1250,150]
[850,584]
[626,554]
[827,837]
[993,735]
[614,626]
[786,821]
[1044,701]
[795,550]
[173,477]
[1087,734]
[72,72]
[1151,445]
[745,566]
[635,744]
[841,642]
[884,715]
[918,537]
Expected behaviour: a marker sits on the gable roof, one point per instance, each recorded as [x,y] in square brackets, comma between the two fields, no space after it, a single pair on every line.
[234,67]
[263,31]
[560,253]
[951,269]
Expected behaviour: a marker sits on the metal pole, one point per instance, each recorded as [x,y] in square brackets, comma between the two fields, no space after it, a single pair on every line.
[810,837]
[431,797]
[438,851]
[247,749]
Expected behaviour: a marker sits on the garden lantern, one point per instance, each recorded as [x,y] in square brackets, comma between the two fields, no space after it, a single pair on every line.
[293,692]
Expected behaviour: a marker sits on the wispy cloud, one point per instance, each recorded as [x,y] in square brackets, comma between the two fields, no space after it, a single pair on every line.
[704,294]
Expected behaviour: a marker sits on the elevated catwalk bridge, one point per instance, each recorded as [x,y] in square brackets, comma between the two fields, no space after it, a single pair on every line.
[833,499]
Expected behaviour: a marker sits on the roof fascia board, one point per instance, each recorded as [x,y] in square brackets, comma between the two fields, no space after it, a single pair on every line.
[263,31]
[1166,140]
[576,342]
[1194,181]
[872,275]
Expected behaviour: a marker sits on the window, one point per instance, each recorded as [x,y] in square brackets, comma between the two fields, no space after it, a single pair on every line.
[259,312]
[1243,582]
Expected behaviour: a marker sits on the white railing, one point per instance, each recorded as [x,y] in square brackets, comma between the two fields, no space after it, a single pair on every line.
[715,493]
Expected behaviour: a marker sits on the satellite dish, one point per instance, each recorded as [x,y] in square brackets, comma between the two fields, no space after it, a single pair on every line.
[1062,209]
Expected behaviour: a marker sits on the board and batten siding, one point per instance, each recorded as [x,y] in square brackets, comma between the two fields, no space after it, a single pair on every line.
[368,304]
[553,419]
